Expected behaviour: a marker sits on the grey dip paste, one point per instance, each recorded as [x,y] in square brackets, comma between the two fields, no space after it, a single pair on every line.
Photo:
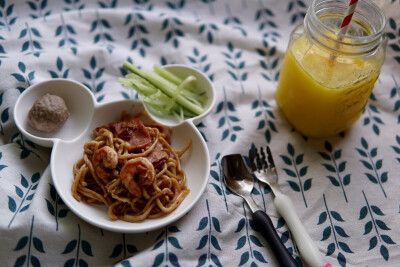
[48,113]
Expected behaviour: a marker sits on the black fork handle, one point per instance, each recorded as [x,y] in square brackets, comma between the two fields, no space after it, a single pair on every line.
[264,224]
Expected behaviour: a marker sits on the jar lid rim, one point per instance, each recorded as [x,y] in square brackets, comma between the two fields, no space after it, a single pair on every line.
[375,35]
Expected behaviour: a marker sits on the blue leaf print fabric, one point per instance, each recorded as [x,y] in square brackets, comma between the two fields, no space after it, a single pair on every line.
[345,188]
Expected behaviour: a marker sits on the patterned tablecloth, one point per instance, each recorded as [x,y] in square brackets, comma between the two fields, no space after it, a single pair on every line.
[345,188]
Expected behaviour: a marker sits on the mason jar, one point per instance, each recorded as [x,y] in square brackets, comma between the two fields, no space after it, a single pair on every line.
[327,77]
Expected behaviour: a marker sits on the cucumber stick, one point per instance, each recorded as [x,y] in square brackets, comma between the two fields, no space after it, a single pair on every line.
[168,87]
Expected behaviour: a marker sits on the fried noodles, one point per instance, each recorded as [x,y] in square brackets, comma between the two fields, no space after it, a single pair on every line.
[132,169]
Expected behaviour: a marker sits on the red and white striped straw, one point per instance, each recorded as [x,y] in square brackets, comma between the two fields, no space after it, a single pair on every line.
[349,15]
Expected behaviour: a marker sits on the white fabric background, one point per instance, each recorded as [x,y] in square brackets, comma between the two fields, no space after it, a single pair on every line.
[240,46]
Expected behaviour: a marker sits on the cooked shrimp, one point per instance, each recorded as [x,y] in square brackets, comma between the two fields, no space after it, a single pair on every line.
[135,173]
[104,158]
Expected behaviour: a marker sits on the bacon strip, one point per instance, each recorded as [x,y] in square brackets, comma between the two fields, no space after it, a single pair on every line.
[158,155]
[132,131]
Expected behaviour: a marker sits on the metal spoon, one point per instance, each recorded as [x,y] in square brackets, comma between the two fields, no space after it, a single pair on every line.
[238,179]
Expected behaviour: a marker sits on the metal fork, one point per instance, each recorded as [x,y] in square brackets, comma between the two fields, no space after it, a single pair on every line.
[264,169]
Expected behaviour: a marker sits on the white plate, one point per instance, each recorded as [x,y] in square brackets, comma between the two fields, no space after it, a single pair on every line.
[87,114]
[195,163]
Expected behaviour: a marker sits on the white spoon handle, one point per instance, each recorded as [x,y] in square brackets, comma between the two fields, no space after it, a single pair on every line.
[308,250]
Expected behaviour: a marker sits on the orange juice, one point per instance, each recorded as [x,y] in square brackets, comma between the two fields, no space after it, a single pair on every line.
[327,76]
[322,96]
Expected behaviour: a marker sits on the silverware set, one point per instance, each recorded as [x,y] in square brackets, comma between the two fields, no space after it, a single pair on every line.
[240,181]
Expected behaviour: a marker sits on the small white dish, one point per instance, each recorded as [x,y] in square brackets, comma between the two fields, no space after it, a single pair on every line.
[87,114]
[203,83]
[78,98]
